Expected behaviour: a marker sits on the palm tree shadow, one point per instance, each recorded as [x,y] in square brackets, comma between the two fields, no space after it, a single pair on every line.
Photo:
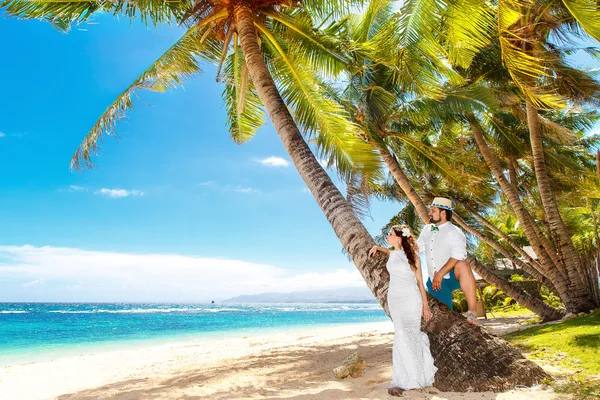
[282,370]
[588,340]
[297,373]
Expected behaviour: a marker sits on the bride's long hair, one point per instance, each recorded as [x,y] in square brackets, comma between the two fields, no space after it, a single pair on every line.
[409,244]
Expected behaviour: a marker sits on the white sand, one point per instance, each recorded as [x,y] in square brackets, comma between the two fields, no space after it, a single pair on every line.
[291,365]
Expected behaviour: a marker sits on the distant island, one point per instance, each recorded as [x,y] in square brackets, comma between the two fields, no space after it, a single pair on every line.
[344,295]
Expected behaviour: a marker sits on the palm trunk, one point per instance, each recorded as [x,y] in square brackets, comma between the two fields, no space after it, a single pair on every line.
[558,229]
[532,303]
[519,263]
[404,183]
[353,235]
[539,307]
[485,362]
[598,163]
[512,171]
[538,276]
[572,300]
[512,196]
[496,231]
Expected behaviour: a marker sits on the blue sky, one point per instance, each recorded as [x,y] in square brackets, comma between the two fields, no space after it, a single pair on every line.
[175,211]
[174,186]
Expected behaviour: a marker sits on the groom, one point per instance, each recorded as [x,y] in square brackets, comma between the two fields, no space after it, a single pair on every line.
[445,248]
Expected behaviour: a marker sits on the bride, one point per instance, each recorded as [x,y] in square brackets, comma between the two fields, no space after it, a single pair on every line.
[412,363]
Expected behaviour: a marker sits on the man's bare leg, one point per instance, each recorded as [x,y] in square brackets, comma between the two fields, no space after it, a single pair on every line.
[462,271]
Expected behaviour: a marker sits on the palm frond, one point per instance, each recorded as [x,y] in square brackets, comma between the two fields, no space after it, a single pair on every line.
[321,117]
[470,28]
[177,64]
[587,14]
[376,14]
[320,48]
[244,109]
[407,44]
[525,66]
[331,9]
[62,13]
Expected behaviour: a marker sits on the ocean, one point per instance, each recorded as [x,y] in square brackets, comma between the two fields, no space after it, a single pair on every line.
[42,331]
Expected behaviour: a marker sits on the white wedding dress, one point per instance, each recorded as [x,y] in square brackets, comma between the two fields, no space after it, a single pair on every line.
[412,363]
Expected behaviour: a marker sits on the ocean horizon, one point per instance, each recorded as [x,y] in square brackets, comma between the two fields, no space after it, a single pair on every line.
[31,332]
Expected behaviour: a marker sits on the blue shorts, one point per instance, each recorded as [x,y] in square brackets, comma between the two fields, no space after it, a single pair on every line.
[445,293]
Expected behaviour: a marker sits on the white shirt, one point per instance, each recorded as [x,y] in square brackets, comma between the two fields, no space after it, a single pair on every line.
[439,246]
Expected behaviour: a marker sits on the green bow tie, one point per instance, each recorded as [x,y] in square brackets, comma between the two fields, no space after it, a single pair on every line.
[434,228]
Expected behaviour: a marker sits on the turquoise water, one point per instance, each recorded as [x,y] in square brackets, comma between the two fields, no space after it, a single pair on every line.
[41,331]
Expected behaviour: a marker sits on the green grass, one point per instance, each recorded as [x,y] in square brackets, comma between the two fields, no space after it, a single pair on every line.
[572,346]
[520,312]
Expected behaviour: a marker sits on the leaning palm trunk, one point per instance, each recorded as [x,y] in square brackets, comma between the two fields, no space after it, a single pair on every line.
[526,262]
[512,171]
[497,231]
[496,246]
[574,298]
[353,235]
[574,270]
[523,216]
[402,180]
[546,312]
[485,362]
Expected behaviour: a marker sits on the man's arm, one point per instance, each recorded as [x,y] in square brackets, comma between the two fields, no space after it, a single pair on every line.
[448,266]
[436,283]
[458,252]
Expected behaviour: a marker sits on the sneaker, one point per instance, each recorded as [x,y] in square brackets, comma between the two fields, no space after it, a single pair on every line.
[472,318]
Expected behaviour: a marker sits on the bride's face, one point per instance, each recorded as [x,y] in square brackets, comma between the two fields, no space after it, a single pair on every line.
[393,239]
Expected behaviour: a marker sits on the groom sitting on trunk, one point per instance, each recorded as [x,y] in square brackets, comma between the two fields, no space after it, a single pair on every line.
[445,248]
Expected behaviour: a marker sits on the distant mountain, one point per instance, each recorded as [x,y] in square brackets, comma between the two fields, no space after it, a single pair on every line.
[344,295]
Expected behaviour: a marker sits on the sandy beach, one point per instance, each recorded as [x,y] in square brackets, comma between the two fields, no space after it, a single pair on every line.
[280,365]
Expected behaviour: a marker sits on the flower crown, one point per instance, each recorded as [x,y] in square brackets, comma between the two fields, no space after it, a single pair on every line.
[405,231]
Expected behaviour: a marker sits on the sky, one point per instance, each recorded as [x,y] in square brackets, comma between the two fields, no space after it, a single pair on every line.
[174,211]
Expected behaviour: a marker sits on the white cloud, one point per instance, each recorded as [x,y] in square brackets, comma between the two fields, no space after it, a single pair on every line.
[244,190]
[37,282]
[117,193]
[75,188]
[240,189]
[274,162]
[207,183]
[72,274]
[2,134]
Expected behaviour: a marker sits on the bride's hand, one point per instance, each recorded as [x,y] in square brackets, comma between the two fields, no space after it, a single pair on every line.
[373,251]
[426,312]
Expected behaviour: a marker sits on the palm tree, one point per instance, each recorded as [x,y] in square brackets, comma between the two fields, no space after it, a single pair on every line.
[378,99]
[537,67]
[499,127]
[278,41]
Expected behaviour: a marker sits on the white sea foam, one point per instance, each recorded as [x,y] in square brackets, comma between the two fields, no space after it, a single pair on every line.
[147,311]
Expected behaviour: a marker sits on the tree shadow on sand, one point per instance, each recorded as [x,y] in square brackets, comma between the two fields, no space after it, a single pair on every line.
[281,373]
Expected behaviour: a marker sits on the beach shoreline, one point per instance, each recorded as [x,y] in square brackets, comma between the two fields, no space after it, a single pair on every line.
[296,365]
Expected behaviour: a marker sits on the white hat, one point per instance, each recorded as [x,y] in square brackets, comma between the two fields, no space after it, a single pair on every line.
[443,203]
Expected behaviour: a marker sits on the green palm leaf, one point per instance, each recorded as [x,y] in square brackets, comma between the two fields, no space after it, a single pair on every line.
[62,13]
[244,109]
[587,14]
[321,49]
[320,116]
[177,64]
[470,26]
[525,66]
